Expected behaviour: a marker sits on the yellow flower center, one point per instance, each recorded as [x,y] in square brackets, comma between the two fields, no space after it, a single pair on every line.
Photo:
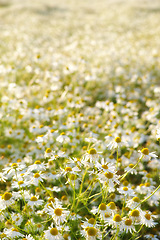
[148,175]
[135,213]
[64,198]
[92,221]
[117,218]
[58,212]
[48,150]
[36,175]
[147,216]
[145,151]
[14,165]
[125,183]
[51,199]
[128,222]
[111,205]
[131,165]
[107,215]
[147,184]
[20,182]
[92,151]
[15,230]
[68,169]
[102,206]
[91,231]
[136,199]
[105,166]
[125,189]
[33,199]
[54,231]
[109,175]
[6,196]
[37,162]
[117,139]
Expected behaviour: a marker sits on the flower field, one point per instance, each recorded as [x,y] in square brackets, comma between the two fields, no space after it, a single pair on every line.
[79,119]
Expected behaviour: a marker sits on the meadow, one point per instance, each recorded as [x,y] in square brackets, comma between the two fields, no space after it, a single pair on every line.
[79,119]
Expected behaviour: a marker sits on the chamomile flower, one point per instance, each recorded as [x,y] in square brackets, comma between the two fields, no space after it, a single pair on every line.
[127,225]
[108,179]
[34,201]
[147,155]
[147,219]
[36,178]
[37,166]
[28,237]
[6,200]
[130,169]
[91,233]
[116,221]
[13,233]
[63,138]
[126,191]
[58,213]
[90,157]
[104,166]
[132,203]
[52,233]
[116,143]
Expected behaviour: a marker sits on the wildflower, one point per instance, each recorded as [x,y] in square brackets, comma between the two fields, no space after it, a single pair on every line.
[6,200]
[13,233]
[28,237]
[104,166]
[58,213]
[130,169]
[34,201]
[126,191]
[63,138]
[116,143]
[147,219]
[147,155]
[90,157]
[132,203]
[36,178]
[116,221]
[108,179]
[37,166]
[127,225]
[91,233]
[52,233]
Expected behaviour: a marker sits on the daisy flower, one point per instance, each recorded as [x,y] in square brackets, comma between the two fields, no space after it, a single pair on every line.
[36,178]
[28,237]
[58,213]
[6,200]
[37,166]
[130,169]
[34,201]
[126,191]
[132,203]
[146,154]
[127,225]
[90,157]
[105,166]
[108,179]
[116,143]
[63,138]
[91,233]
[147,219]
[13,233]
[52,233]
